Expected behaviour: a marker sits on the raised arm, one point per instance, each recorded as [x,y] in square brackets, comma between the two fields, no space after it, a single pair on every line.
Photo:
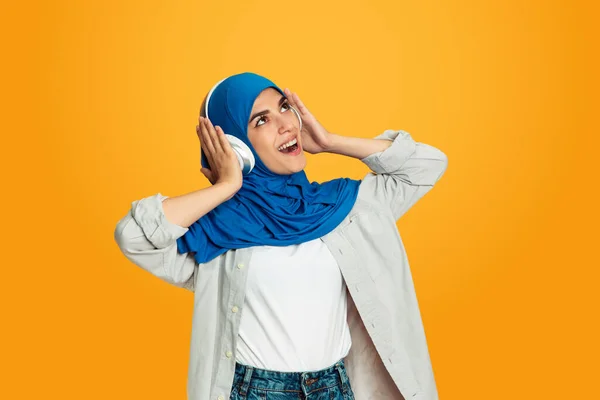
[402,170]
[148,234]
[149,240]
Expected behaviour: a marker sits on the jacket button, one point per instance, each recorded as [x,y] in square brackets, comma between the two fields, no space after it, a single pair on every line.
[220,398]
[234,309]
[228,354]
[240,266]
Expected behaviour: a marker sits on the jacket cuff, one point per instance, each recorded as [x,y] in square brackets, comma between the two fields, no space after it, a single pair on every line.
[392,158]
[150,216]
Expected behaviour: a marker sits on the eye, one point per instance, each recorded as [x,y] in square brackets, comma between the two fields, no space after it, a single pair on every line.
[285,104]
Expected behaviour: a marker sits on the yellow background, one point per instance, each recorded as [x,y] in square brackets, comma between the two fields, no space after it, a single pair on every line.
[99,107]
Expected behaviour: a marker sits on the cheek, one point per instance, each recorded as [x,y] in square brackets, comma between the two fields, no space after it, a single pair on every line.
[265,153]
[262,147]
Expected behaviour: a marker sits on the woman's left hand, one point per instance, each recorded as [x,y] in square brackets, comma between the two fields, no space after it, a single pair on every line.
[315,138]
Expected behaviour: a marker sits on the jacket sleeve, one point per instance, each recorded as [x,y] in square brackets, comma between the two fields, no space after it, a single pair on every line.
[402,173]
[149,240]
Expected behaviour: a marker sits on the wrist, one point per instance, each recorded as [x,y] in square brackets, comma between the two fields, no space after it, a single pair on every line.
[227,189]
[335,144]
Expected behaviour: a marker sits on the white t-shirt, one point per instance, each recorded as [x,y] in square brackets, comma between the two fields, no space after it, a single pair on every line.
[294,314]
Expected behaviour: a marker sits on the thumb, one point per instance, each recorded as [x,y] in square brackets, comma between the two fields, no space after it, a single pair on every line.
[208,174]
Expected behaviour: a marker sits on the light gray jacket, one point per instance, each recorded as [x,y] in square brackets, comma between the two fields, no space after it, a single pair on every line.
[389,357]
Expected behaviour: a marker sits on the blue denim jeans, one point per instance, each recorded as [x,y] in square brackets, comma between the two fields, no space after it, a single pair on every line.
[251,383]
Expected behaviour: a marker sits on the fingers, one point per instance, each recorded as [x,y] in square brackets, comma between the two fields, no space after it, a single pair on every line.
[205,142]
[290,98]
[219,140]
[214,137]
[288,94]
[205,139]
[211,138]
[216,146]
[208,174]
[301,106]
[225,145]
[295,101]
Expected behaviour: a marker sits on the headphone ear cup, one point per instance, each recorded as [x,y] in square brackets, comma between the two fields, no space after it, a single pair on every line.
[241,150]
[243,153]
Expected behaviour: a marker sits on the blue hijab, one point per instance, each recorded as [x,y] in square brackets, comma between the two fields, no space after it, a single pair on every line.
[269,209]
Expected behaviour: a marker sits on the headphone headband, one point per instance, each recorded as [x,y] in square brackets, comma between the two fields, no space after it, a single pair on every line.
[208,97]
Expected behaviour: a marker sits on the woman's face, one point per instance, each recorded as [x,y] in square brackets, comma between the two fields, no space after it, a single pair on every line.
[272,125]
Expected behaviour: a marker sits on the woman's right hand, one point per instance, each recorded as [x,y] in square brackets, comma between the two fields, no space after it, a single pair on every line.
[224,166]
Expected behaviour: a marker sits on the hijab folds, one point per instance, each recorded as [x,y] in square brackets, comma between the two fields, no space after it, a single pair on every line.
[269,209]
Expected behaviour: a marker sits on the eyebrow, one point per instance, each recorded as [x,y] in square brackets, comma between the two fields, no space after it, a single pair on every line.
[281,100]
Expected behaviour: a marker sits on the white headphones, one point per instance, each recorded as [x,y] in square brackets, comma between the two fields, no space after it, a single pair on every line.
[241,150]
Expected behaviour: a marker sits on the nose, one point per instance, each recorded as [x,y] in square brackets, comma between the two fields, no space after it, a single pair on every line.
[287,122]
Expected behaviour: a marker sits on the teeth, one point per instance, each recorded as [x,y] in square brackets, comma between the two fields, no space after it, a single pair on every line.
[288,144]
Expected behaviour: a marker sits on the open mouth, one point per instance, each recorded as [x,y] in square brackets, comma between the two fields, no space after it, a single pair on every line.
[290,148]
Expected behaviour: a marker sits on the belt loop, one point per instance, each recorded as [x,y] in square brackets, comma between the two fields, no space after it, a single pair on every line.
[343,376]
[246,382]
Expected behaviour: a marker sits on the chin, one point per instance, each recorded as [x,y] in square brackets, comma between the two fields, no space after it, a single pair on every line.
[289,166]
[289,169]
[296,170]
[300,166]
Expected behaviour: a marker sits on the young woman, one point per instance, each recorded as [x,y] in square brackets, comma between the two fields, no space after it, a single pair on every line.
[302,290]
